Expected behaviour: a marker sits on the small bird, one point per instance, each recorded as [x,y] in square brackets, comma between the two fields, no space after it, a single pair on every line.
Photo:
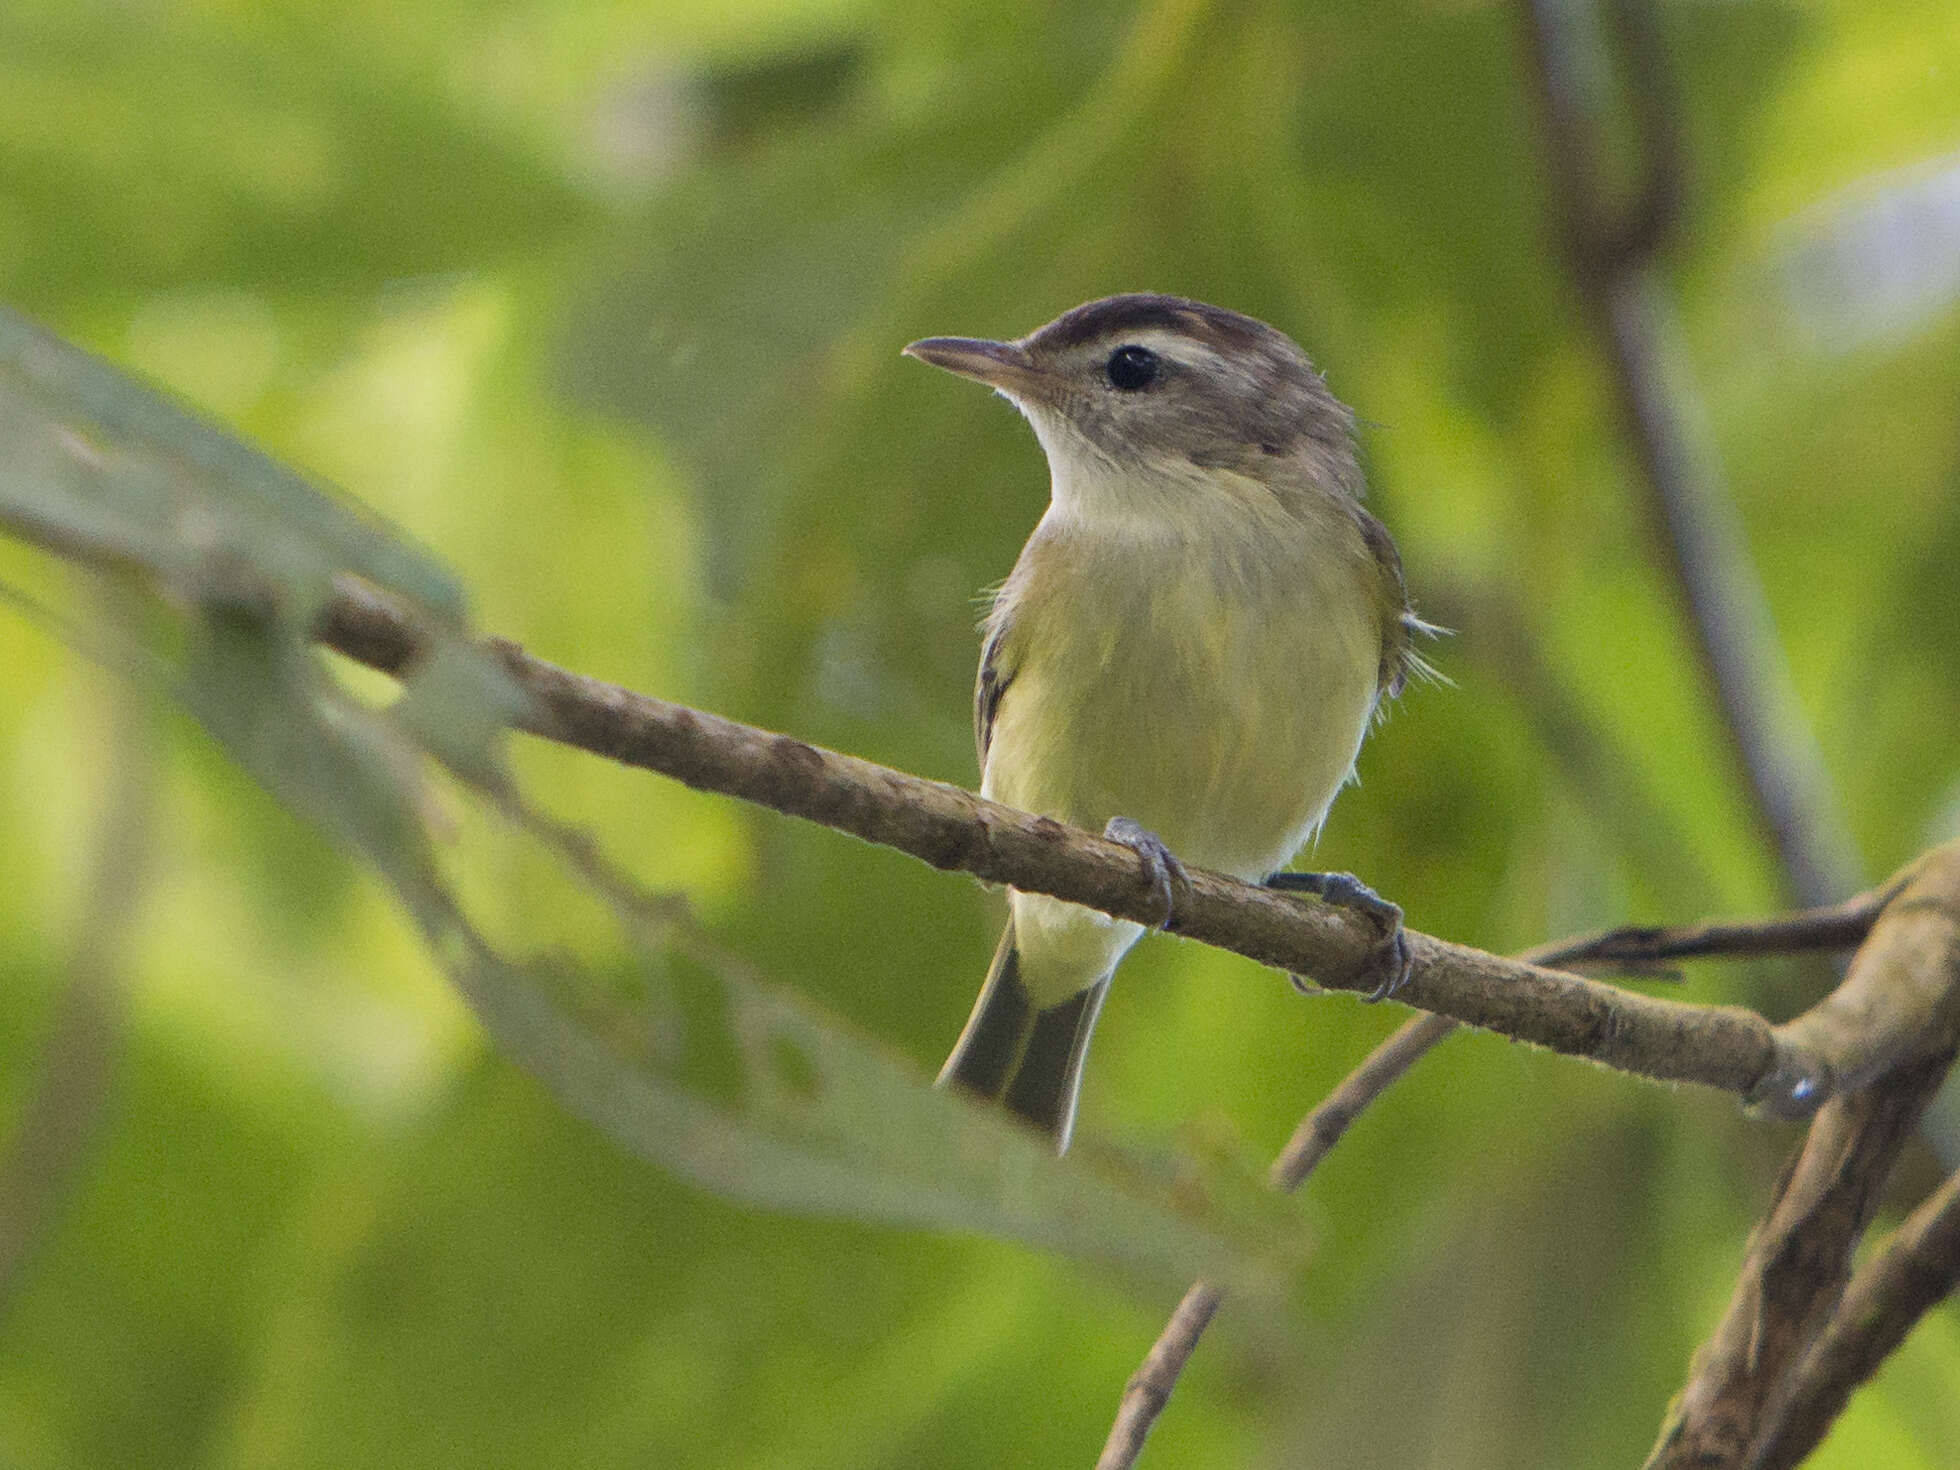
[1187,653]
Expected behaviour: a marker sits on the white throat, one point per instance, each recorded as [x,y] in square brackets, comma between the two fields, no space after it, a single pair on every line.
[1088,489]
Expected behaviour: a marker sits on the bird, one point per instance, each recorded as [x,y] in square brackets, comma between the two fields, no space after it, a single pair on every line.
[1188,651]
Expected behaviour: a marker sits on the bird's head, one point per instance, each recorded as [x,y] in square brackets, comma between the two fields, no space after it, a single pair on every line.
[1144,386]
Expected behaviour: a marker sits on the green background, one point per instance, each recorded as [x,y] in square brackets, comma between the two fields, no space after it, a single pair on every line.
[602,305]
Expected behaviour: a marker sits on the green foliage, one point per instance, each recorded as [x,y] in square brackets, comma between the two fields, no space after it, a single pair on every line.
[603,306]
[725,1081]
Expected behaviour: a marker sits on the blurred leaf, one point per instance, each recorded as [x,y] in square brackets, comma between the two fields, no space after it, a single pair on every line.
[818,1119]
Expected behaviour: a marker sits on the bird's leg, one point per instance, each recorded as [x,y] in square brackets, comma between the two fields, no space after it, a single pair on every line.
[1160,864]
[1390,960]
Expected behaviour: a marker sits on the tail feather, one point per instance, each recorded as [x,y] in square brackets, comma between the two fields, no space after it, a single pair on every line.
[1027,1056]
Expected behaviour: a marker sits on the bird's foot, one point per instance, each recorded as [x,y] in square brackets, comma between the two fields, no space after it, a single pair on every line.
[1390,959]
[1160,864]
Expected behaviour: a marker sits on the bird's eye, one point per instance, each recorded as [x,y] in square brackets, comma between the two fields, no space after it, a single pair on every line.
[1131,369]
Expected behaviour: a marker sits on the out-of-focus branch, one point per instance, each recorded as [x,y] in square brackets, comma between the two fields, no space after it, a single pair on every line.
[1736,638]
[1610,246]
[1605,238]
[69,1093]
[1150,1387]
[1799,1256]
[1325,1126]
[1918,1269]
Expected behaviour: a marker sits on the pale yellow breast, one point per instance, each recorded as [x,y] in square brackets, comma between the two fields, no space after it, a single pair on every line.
[1214,687]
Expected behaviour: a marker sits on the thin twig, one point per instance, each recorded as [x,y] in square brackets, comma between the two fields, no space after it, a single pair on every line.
[1151,1386]
[1735,634]
[1836,926]
[1605,238]
[1322,1128]
[1610,247]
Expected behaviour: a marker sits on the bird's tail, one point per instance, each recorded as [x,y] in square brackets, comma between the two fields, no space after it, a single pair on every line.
[1030,1057]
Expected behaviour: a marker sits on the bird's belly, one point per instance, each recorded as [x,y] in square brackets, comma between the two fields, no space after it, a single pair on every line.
[1224,730]
[1228,733]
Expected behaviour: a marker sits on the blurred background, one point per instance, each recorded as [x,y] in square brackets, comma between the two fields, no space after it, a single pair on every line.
[602,304]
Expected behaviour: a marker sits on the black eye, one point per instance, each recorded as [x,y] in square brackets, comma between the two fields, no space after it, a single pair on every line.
[1131,369]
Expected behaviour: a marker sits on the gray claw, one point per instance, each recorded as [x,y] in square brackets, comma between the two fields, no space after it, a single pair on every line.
[1391,958]
[1160,864]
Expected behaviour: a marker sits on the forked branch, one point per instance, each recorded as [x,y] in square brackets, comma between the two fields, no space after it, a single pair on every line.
[1787,1304]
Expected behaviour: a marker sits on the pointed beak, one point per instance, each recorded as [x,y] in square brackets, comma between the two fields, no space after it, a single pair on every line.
[1000,365]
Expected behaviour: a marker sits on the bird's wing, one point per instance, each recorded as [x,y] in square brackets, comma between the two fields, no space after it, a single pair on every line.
[995,675]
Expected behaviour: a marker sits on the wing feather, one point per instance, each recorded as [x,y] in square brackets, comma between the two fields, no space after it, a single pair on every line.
[988,688]
[1400,625]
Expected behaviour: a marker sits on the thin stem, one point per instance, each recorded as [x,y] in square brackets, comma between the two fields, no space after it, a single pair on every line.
[1150,1387]
[1835,926]
[1708,557]
[1324,1127]
[1610,245]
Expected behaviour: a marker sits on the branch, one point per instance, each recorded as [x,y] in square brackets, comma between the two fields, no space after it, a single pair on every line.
[1609,247]
[1789,1070]
[1837,926]
[1918,1269]
[1799,1255]
[69,1094]
[1150,1387]
[1324,1127]
[1605,239]
[1716,1046]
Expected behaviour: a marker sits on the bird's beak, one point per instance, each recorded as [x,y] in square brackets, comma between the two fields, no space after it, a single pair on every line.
[1000,365]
